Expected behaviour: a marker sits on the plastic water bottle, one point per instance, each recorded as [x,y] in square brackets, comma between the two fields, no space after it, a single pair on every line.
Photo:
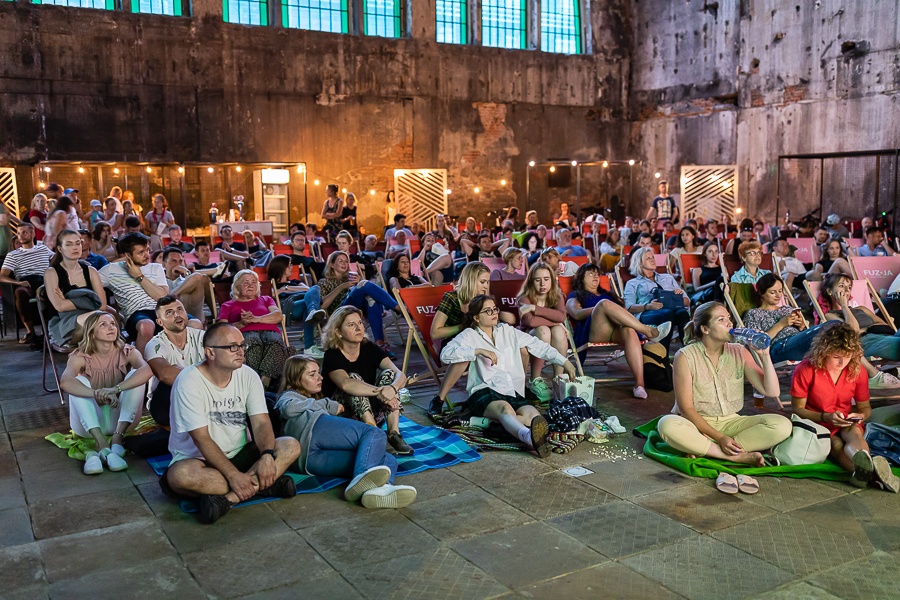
[751,337]
[213,214]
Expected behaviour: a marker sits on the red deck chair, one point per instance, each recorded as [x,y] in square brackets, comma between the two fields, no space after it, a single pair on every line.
[419,305]
[505,292]
[279,249]
[861,294]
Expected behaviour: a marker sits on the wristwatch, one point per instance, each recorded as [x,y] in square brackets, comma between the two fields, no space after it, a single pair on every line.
[139,279]
[269,452]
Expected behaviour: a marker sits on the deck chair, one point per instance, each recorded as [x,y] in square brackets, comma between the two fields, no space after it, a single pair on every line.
[862,293]
[506,292]
[806,250]
[565,284]
[853,243]
[419,306]
[381,272]
[50,348]
[497,264]
[689,262]
[606,282]
[881,271]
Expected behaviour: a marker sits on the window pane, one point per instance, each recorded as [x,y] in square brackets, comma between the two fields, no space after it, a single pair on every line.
[246,12]
[452,21]
[157,7]
[381,17]
[318,15]
[560,26]
[503,23]
[102,4]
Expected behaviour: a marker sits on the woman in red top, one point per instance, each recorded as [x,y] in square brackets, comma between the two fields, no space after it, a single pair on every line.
[38,216]
[825,386]
[542,310]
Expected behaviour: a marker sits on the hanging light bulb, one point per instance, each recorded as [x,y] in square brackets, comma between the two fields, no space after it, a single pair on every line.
[210,169]
[81,169]
[238,168]
[448,191]
[574,163]
[502,182]
[553,169]
[343,190]
[116,170]
[657,174]
[631,162]
[316,182]
[181,169]
[605,164]
[531,163]
[371,192]
[46,169]
[149,169]
[477,190]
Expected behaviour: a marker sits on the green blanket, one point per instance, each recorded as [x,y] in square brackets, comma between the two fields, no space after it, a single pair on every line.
[709,468]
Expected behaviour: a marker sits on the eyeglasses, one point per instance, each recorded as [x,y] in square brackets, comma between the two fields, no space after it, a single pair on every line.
[753,253]
[490,311]
[232,347]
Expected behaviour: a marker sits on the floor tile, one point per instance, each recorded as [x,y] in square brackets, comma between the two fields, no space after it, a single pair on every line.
[15,527]
[310,510]
[548,496]
[872,577]
[436,483]
[873,510]
[242,568]
[158,502]
[634,477]
[620,528]
[9,466]
[188,535]
[609,580]
[11,494]
[152,580]
[523,555]
[694,567]
[333,587]
[785,494]
[113,548]
[72,514]
[70,481]
[44,457]
[21,568]
[438,574]
[798,546]
[702,507]
[465,514]
[139,471]
[377,537]
[499,465]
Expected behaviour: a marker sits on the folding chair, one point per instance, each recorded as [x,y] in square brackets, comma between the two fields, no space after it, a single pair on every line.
[689,262]
[45,313]
[280,249]
[497,264]
[806,250]
[853,243]
[879,270]
[506,292]
[607,283]
[419,305]
[861,294]
[268,289]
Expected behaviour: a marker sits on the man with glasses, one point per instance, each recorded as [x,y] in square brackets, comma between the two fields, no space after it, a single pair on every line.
[212,457]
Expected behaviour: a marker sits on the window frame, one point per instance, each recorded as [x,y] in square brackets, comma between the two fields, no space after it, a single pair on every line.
[346,11]
[264,18]
[178,6]
[578,28]
[524,33]
[397,19]
[110,4]
[461,28]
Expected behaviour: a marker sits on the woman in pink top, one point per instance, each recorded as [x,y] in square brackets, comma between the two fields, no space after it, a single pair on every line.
[105,382]
[514,259]
[542,309]
[258,319]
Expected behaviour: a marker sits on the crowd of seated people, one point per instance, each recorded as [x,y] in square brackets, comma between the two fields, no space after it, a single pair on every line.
[209,385]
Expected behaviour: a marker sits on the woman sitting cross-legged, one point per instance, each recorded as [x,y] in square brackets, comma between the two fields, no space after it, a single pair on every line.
[351,369]
[496,383]
[599,317]
[825,387]
[542,310]
[105,382]
[258,318]
[332,446]
[709,391]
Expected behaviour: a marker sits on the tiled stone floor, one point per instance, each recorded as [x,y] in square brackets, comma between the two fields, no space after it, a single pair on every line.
[508,526]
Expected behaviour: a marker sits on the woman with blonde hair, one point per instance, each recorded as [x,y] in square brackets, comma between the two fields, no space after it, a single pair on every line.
[37,216]
[515,260]
[361,376]
[105,381]
[332,446]
[826,385]
[542,310]
[258,318]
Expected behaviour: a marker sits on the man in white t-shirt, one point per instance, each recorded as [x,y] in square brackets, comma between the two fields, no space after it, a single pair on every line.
[211,455]
[191,288]
[170,351]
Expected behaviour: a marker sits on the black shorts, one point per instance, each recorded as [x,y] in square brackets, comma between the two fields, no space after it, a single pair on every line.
[140,315]
[479,401]
[242,461]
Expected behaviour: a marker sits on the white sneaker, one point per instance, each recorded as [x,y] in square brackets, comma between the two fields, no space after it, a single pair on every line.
[315,352]
[613,423]
[113,461]
[368,480]
[883,381]
[664,330]
[389,496]
[316,316]
[118,449]
[92,464]
[540,389]
[639,392]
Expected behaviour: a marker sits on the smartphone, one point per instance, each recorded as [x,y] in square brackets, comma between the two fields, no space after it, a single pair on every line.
[855,419]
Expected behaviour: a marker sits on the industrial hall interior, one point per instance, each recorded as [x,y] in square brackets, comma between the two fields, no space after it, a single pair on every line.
[449,299]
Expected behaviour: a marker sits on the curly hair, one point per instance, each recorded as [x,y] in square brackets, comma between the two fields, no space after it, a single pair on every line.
[838,339]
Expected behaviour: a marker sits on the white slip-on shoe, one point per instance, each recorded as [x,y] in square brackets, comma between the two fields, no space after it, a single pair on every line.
[92,464]
[113,461]
[664,330]
[389,496]
[639,392]
[368,480]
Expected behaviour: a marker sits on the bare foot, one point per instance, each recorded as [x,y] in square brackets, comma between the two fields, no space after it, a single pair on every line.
[750,458]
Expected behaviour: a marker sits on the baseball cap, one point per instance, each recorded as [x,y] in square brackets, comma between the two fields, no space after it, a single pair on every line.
[69,191]
[833,219]
[96,202]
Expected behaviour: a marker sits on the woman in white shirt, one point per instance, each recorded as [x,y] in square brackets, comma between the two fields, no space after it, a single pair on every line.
[496,383]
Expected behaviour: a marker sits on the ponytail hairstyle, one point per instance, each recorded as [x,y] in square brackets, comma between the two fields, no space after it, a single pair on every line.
[703,316]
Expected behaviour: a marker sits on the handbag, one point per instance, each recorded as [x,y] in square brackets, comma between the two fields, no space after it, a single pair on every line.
[581,387]
[809,444]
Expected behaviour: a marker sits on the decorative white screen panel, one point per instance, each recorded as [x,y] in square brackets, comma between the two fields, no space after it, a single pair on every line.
[709,191]
[421,195]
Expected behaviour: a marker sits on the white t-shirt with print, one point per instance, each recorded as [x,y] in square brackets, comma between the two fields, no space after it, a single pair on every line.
[197,403]
[160,346]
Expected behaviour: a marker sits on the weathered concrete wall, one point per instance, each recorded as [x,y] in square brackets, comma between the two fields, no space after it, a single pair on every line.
[79,84]
[752,80]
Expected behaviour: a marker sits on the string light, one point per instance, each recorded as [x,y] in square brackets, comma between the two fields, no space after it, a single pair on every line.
[448,191]
[738,210]
[553,169]
[631,162]
[46,169]
[657,175]
[574,163]
[531,163]
[81,169]
[371,192]
[343,190]
[116,170]
[149,169]
[502,182]
[238,168]
[41,184]
[477,190]
[605,164]
[316,182]
[181,169]
[210,169]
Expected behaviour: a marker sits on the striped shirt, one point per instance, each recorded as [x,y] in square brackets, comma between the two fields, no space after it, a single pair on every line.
[129,293]
[27,262]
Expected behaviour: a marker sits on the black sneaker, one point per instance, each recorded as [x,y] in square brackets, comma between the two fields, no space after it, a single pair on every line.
[436,408]
[213,508]
[167,490]
[284,487]
[399,444]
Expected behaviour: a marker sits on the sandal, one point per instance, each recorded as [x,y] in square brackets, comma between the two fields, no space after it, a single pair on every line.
[747,484]
[727,483]
[28,339]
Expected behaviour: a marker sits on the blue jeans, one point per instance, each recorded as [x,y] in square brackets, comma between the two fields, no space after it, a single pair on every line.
[678,317]
[311,302]
[342,447]
[885,346]
[358,298]
[796,346]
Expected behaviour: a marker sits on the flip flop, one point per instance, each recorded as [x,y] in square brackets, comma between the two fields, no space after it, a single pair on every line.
[726,483]
[747,484]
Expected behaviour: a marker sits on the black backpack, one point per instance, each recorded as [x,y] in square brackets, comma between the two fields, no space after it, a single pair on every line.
[657,367]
